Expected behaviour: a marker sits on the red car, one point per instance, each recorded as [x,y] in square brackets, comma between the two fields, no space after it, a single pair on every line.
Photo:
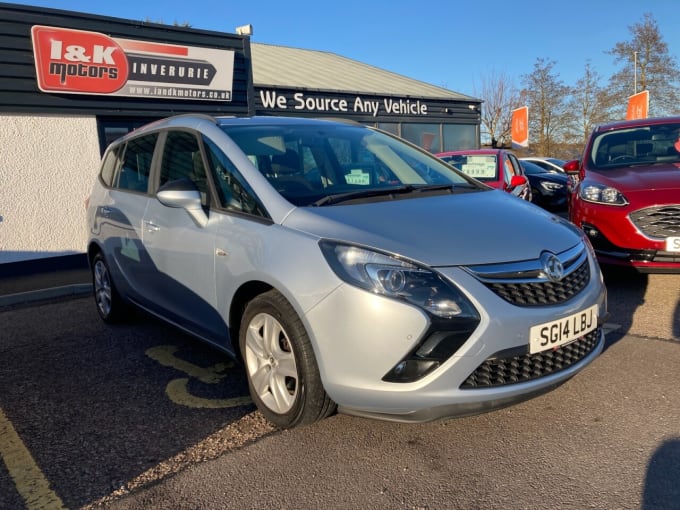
[626,195]
[498,168]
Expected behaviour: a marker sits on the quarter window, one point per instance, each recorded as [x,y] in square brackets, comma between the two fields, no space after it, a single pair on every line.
[111,164]
[232,189]
[182,159]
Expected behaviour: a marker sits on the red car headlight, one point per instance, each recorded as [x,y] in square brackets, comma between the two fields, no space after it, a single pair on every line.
[601,194]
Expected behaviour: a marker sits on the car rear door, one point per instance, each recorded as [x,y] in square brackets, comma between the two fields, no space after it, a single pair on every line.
[119,217]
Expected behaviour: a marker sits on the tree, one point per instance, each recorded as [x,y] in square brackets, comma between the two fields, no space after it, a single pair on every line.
[546,97]
[500,96]
[587,106]
[646,65]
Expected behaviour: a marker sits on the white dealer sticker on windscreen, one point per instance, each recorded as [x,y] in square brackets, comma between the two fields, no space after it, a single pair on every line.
[562,331]
[480,167]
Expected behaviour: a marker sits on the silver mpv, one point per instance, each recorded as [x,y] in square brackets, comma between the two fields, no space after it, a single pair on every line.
[346,268]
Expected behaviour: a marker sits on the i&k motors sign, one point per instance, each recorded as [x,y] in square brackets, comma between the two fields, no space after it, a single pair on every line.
[81,62]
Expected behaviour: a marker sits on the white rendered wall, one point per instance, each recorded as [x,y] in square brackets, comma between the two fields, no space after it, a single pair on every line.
[48,164]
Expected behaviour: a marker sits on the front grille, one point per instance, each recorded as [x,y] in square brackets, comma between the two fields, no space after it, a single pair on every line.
[517,368]
[527,283]
[539,293]
[658,222]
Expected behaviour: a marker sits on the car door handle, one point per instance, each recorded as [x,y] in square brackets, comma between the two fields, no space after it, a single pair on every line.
[151,227]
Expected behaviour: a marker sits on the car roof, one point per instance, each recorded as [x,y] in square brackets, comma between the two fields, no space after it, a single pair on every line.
[281,121]
[194,121]
[529,164]
[540,158]
[630,123]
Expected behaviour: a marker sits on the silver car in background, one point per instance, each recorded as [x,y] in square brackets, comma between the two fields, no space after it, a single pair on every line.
[346,268]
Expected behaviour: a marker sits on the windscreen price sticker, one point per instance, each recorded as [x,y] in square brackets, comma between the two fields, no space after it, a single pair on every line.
[673,244]
[562,331]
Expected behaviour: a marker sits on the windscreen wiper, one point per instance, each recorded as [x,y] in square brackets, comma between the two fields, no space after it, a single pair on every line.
[378,192]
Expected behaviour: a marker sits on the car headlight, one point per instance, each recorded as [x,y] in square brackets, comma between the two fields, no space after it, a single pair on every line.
[601,194]
[398,279]
[551,186]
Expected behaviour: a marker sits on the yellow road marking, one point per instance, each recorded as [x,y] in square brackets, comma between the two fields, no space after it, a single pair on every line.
[177,389]
[177,392]
[31,484]
[165,355]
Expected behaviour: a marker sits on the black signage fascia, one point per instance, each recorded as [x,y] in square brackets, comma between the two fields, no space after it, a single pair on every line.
[365,108]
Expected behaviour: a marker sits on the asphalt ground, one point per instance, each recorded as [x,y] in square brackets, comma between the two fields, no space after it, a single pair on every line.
[607,439]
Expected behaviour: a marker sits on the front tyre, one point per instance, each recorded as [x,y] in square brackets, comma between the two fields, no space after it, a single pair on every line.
[281,368]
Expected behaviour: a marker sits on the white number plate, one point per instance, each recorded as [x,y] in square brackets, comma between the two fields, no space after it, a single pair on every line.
[562,331]
[673,244]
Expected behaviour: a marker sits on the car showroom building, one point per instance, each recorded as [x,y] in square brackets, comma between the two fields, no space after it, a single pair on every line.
[72,82]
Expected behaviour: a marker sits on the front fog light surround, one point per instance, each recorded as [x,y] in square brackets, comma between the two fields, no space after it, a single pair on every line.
[396,278]
[436,347]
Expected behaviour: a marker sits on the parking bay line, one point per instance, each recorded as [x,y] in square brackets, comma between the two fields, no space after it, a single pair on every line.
[29,481]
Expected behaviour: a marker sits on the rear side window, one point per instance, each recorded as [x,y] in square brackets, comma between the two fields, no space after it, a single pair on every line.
[134,173]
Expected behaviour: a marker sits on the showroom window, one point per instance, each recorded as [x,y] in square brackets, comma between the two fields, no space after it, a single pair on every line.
[460,136]
[390,127]
[110,129]
[435,137]
[423,135]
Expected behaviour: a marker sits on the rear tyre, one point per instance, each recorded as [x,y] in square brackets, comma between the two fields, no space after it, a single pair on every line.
[281,368]
[110,305]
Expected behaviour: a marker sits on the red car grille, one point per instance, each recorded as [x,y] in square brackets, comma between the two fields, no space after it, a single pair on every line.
[658,222]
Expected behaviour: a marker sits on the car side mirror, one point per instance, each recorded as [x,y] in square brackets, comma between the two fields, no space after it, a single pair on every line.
[517,180]
[572,167]
[183,193]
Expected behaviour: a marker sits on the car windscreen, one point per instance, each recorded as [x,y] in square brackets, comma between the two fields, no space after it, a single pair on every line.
[636,146]
[308,162]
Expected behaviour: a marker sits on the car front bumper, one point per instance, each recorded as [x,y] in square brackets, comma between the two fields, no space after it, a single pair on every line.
[360,336]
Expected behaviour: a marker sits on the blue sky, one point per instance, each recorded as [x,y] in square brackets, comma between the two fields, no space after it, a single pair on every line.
[448,43]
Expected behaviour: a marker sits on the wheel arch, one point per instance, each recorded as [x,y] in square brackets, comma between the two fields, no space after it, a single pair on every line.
[92,250]
[246,293]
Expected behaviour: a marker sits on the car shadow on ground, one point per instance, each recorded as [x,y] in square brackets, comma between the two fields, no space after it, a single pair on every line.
[626,289]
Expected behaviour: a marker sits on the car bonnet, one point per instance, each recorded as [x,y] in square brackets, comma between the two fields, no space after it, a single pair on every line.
[476,228]
[640,178]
